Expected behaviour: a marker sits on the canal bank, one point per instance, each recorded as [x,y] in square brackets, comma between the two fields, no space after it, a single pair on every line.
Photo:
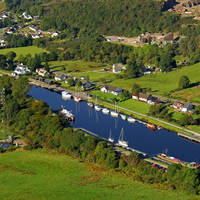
[145,118]
[137,135]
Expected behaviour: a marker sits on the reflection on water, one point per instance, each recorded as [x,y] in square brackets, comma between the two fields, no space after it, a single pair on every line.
[137,135]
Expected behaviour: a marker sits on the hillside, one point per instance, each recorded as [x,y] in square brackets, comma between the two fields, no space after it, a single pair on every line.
[37,175]
[116,17]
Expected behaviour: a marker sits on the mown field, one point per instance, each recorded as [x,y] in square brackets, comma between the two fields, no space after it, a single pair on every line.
[75,66]
[23,50]
[162,83]
[40,175]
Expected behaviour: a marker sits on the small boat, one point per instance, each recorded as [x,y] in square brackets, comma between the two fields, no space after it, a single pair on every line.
[131,120]
[151,126]
[110,139]
[114,114]
[124,117]
[66,95]
[66,114]
[77,99]
[97,107]
[159,127]
[90,104]
[105,111]
[121,141]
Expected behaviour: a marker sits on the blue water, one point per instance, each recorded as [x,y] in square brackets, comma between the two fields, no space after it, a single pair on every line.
[137,135]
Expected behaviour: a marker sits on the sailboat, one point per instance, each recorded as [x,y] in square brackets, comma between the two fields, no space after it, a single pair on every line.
[114,113]
[121,141]
[124,117]
[76,97]
[110,139]
[97,107]
[131,120]
[105,111]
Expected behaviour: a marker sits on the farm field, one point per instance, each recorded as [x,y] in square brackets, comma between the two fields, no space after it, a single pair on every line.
[162,83]
[41,175]
[189,94]
[75,66]
[23,50]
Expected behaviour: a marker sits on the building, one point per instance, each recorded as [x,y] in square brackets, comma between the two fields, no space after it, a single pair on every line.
[117,68]
[183,107]
[41,72]
[60,77]
[111,89]
[27,16]
[20,70]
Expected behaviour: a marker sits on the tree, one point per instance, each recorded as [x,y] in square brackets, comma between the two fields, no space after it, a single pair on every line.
[166,62]
[184,82]
[46,67]
[11,55]
[136,88]
[70,82]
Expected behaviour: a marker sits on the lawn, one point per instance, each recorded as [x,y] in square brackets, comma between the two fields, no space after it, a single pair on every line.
[97,76]
[40,175]
[162,83]
[24,50]
[75,66]
[136,106]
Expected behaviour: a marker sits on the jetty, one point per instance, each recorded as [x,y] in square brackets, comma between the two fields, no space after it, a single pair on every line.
[192,138]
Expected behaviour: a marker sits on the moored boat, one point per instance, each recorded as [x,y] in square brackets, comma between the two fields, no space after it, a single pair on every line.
[66,95]
[121,141]
[105,111]
[66,114]
[171,159]
[151,126]
[90,104]
[77,99]
[110,139]
[114,114]
[159,127]
[131,120]
[97,107]
[124,117]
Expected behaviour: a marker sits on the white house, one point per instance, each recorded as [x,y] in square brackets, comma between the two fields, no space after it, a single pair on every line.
[111,89]
[41,72]
[27,16]
[55,34]
[20,70]
[60,77]
[117,68]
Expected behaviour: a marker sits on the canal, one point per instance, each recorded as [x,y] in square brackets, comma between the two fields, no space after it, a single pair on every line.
[138,136]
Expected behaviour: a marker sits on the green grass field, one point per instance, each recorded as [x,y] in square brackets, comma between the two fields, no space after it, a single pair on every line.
[75,66]
[136,106]
[189,94]
[23,50]
[162,83]
[2,6]
[38,175]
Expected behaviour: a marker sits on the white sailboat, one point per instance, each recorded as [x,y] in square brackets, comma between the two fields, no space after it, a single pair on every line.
[97,107]
[124,117]
[105,111]
[114,113]
[77,98]
[110,139]
[131,120]
[121,141]
[66,95]
[90,104]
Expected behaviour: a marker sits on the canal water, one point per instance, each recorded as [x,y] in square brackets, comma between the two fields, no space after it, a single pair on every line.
[138,136]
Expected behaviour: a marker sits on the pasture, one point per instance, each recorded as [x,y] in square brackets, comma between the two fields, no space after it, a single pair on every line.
[162,83]
[23,50]
[46,175]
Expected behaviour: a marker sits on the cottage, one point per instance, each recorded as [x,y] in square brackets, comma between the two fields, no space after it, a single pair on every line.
[135,96]
[41,72]
[187,107]
[55,34]
[27,16]
[60,77]
[145,97]
[111,89]
[20,70]
[87,86]
[117,68]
